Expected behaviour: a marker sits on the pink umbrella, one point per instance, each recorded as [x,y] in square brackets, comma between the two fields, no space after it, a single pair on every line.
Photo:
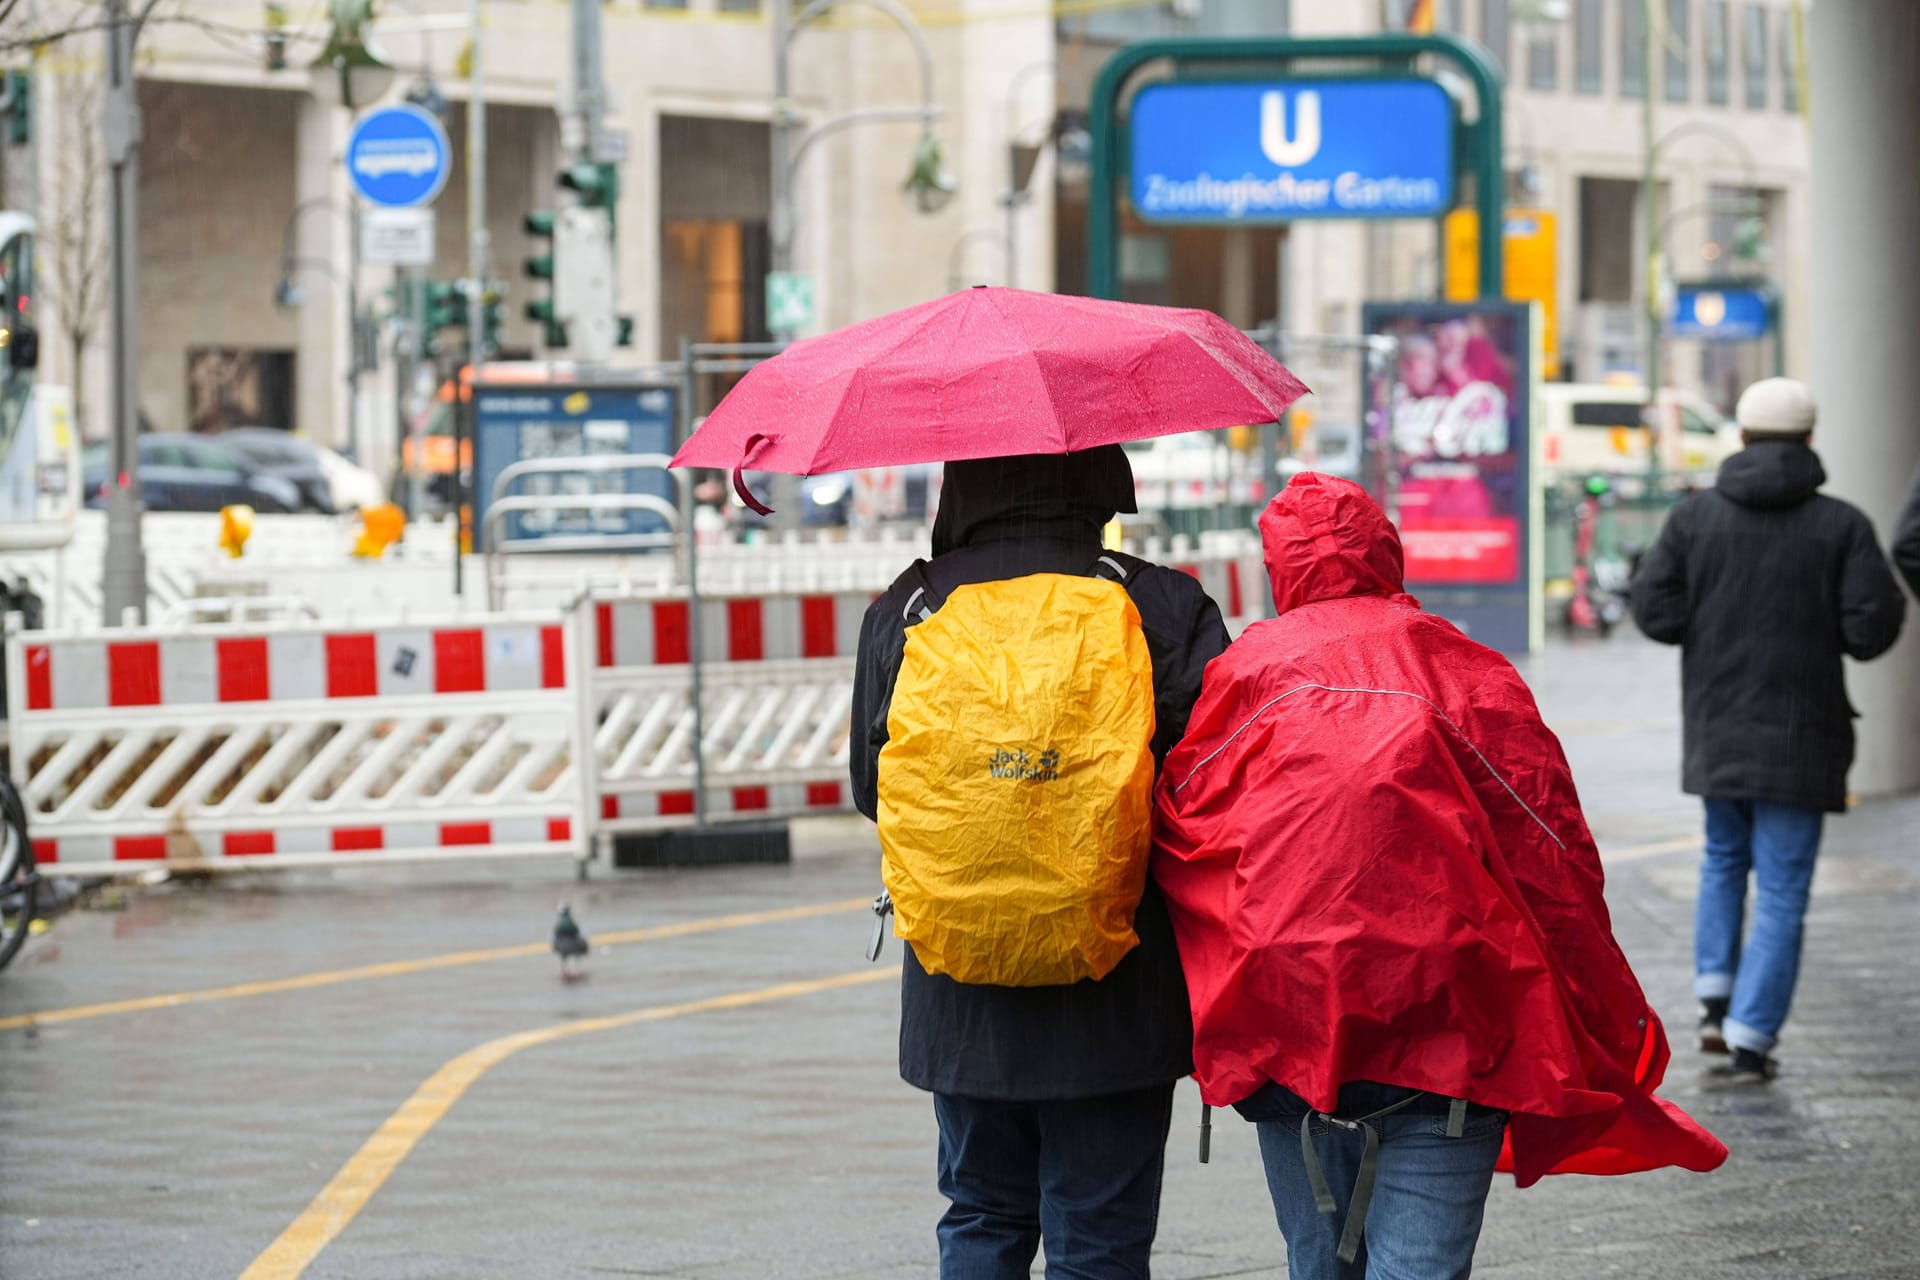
[987,373]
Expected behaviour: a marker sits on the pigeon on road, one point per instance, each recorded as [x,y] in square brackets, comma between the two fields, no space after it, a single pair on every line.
[569,943]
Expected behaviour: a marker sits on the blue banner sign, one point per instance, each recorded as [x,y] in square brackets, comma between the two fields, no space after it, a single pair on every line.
[1721,313]
[398,157]
[1270,153]
[520,422]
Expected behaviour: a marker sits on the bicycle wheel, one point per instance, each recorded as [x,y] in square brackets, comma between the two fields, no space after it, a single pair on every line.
[19,885]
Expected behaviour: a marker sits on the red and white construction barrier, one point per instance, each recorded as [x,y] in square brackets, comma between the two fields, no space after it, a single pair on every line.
[280,744]
[257,746]
[776,681]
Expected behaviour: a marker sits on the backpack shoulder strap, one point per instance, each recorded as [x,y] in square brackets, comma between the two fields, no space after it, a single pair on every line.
[922,602]
[1108,567]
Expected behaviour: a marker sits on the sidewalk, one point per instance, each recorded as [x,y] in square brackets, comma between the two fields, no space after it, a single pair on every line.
[776,1140]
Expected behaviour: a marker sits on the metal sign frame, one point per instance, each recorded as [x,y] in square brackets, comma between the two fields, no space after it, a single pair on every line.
[559,389]
[1477,147]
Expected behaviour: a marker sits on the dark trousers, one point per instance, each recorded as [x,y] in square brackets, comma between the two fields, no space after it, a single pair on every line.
[1082,1174]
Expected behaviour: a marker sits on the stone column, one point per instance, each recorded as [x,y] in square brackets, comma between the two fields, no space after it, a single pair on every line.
[1865,319]
[319,236]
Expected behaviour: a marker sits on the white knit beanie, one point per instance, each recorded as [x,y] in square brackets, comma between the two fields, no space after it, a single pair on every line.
[1777,407]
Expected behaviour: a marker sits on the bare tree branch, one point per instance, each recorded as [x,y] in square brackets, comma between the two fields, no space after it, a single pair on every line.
[73,233]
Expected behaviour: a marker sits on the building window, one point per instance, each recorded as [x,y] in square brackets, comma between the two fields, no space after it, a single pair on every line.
[739,6]
[1679,48]
[666,4]
[1607,209]
[1754,59]
[1589,47]
[1543,62]
[1789,68]
[1714,23]
[1633,50]
[1494,31]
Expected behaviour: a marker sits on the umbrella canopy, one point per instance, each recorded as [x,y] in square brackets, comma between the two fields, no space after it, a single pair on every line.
[988,373]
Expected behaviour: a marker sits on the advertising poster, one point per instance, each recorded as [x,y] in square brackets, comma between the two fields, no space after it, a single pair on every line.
[1449,420]
[521,422]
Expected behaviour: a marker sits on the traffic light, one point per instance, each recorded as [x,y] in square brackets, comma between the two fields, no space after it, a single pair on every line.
[597,186]
[19,98]
[276,41]
[492,294]
[446,309]
[540,225]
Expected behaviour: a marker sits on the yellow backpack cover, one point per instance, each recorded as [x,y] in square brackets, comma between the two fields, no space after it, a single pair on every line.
[1016,785]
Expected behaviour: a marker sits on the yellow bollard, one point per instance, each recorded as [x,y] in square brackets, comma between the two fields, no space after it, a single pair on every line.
[236,526]
[380,528]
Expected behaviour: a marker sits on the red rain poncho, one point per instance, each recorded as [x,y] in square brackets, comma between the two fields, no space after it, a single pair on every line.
[1378,870]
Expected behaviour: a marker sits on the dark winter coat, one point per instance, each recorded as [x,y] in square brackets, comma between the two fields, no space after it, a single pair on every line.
[1131,1029]
[1765,583]
[1906,537]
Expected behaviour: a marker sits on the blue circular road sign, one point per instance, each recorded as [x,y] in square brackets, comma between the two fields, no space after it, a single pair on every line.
[398,157]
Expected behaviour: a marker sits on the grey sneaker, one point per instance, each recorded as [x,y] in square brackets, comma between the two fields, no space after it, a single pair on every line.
[1712,1014]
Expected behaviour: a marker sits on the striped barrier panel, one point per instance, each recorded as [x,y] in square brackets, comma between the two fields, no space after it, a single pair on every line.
[223,747]
[776,674]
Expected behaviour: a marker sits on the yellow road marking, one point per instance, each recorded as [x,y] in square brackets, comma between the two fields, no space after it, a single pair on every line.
[399,968]
[1635,852]
[360,1177]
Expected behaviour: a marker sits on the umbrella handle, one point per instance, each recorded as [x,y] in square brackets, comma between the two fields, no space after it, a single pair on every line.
[747,499]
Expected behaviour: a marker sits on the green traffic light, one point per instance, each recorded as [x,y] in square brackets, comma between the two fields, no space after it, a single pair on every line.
[539,222]
[541,267]
[598,185]
[20,113]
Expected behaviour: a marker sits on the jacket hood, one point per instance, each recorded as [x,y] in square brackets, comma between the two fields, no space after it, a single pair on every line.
[1326,539]
[1032,495]
[1772,475]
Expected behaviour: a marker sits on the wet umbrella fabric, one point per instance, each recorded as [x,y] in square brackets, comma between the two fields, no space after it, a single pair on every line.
[988,373]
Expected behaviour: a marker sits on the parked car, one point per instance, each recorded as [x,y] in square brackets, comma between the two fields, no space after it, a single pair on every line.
[276,453]
[191,473]
[327,481]
[1589,429]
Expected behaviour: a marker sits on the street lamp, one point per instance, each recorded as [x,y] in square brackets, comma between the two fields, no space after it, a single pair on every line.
[289,294]
[1072,144]
[351,71]
[929,185]
[1654,286]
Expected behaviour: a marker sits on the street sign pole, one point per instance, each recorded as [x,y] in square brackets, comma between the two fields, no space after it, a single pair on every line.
[124,573]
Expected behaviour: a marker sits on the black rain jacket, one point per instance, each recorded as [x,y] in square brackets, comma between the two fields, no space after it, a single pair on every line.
[1007,518]
[1765,583]
[1906,537]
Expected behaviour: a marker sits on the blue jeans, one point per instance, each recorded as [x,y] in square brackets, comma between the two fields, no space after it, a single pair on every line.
[1777,843]
[1429,1195]
[1083,1174]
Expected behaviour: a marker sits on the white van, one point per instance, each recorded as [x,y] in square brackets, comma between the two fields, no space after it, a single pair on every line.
[1595,429]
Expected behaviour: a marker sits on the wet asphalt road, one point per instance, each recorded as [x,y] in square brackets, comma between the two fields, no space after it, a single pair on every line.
[774,1139]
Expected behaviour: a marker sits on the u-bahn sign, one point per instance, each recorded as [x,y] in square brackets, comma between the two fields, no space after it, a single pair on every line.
[1291,150]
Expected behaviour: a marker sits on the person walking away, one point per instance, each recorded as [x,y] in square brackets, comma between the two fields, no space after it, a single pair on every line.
[1390,917]
[1765,583]
[1011,700]
[1906,537]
